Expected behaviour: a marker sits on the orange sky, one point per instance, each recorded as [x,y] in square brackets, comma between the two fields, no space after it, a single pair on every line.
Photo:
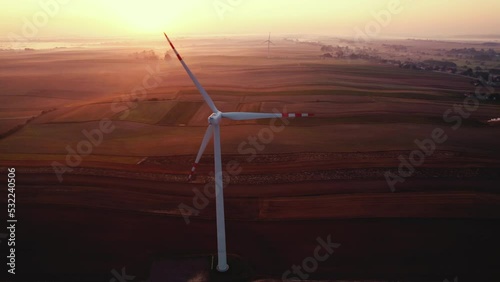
[420,18]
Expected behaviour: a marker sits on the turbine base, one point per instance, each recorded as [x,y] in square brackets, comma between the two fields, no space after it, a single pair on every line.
[238,270]
[182,268]
[222,270]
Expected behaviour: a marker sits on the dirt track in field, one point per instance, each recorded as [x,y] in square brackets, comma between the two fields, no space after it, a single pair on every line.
[285,168]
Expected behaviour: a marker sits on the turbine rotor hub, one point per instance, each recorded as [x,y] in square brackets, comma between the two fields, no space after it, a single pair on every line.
[215,118]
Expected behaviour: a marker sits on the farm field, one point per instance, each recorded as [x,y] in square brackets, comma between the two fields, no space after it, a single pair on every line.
[384,105]
[134,127]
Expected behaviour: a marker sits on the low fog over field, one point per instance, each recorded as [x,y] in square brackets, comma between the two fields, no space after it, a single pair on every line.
[381,162]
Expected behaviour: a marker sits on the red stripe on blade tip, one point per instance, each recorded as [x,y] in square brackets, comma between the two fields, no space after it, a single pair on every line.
[297,115]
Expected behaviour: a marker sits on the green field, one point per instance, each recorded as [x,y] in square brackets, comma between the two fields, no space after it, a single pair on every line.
[150,112]
[181,113]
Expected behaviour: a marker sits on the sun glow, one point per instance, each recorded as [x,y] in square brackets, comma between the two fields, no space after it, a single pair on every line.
[116,18]
[143,17]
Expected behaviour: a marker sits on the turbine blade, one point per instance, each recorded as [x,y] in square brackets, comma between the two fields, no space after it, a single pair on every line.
[204,143]
[204,93]
[249,116]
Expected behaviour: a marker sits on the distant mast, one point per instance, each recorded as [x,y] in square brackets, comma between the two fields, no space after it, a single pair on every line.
[269,42]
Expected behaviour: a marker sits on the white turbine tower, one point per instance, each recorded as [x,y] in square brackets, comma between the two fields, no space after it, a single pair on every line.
[269,42]
[214,130]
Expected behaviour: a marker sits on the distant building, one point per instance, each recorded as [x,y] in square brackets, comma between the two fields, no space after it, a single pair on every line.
[495,97]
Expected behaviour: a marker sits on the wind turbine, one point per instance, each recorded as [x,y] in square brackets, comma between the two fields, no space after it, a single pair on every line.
[269,42]
[214,130]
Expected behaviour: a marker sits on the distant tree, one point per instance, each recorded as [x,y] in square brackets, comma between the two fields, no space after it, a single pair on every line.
[327,48]
[468,72]
[146,55]
[495,71]
[326,56]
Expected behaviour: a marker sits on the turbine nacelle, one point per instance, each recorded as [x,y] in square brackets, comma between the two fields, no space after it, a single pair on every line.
[215,118]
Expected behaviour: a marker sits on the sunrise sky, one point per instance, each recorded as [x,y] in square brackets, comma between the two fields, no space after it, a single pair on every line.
[96,18]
